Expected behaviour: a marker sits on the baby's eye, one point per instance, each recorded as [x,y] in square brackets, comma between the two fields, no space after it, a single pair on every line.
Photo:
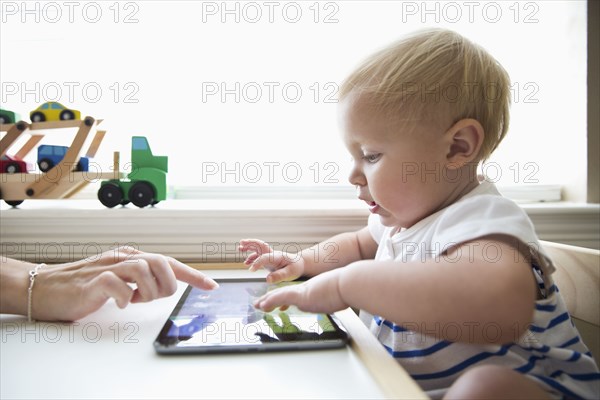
[372,158]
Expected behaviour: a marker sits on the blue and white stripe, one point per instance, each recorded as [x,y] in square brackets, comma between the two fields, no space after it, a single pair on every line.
[551,350]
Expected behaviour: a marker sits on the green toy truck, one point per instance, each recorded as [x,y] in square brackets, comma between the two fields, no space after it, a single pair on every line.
[9,117]
[145,185]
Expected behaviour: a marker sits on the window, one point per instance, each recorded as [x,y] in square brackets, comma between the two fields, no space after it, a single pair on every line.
[139,144]
[242,95]
[45,151]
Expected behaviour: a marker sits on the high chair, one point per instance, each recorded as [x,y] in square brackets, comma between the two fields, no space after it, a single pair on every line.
[578,279]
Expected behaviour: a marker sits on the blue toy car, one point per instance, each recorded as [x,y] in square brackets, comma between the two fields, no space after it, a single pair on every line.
[49,156]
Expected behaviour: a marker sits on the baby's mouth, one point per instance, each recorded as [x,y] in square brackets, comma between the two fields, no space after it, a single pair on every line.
[373,207]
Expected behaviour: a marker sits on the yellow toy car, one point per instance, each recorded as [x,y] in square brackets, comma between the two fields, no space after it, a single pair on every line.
[53,111]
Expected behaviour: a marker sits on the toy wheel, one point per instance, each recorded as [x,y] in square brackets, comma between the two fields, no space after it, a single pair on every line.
[141,194]
[12,168]
[110,195]
[45,164]
[13,203]
[3,119]
[38,117]
[67,115]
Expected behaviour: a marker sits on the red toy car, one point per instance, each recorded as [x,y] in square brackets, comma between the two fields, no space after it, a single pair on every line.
[13,165]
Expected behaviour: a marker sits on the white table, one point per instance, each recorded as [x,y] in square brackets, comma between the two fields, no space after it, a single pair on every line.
[109,354]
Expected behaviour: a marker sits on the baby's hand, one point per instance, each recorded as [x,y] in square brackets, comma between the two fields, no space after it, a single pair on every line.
[283,266]
[319,294]
[257,247]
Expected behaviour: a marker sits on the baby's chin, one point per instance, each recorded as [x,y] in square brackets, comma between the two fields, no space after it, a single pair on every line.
[389,221]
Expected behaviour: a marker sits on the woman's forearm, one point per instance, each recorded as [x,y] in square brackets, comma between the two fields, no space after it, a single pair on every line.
[14,282]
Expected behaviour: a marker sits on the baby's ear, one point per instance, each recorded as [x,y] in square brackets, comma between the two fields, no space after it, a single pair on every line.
[465,139]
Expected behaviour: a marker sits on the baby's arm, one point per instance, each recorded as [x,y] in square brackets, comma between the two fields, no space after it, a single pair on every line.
[338,251]
[469,294]
[485,288]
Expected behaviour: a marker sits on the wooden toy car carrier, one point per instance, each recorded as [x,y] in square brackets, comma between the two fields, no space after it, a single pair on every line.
[61,181]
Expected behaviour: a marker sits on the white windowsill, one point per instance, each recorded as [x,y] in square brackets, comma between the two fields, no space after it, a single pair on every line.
[208,230]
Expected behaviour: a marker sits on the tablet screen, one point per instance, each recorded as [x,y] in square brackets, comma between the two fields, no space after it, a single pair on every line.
[225,320]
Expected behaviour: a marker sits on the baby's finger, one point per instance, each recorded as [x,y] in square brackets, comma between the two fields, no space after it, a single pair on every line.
[269,261]
[289,273]
[255,245]
[283,297]
[251,258]
[189,275]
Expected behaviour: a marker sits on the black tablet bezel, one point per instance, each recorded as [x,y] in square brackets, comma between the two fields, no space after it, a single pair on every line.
[165,344]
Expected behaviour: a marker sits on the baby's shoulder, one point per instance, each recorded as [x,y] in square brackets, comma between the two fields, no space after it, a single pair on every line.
[485,205]
[481,215]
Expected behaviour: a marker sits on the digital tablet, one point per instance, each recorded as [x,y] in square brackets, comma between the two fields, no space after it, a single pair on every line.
[224,320]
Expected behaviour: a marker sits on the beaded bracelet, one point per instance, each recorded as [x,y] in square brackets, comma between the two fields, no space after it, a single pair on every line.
[32,274]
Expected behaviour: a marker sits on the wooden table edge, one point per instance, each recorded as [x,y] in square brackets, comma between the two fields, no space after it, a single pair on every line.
[393,380]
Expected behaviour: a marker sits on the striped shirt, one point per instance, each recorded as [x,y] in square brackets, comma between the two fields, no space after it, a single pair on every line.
[550,352]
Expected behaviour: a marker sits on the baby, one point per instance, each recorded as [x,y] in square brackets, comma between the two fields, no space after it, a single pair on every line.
[448,274]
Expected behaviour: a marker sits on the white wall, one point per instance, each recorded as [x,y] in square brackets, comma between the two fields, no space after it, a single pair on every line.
[153,62]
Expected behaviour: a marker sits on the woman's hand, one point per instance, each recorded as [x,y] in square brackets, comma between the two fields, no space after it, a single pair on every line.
[70,291]
[283,266]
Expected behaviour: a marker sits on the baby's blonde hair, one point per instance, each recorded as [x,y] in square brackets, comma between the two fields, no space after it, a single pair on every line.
[436,75]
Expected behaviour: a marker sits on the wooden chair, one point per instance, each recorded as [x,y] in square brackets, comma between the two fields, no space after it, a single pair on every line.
[578,279]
